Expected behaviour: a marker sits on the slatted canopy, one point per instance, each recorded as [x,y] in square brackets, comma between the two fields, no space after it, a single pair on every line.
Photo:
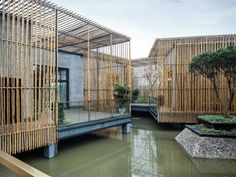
[75,31]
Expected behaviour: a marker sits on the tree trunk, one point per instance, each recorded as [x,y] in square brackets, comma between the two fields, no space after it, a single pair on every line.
[231,98]
[228,105]
[216,92]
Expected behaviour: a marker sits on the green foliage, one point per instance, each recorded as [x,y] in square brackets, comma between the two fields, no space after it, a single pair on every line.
[122,94]
[226,57]
[213,64]
[135,95]
[214,131]
[205,64]
[61,114]
[218,118]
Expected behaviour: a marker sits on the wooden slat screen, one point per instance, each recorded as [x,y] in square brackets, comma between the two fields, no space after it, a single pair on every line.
[107,66]
[27,75]
[184,94]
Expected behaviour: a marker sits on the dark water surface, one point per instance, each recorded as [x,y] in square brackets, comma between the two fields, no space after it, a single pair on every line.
[150,150]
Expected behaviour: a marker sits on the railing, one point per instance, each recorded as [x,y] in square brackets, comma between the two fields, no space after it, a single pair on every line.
[153,106]
[73,112]
[142,99]
[18,167]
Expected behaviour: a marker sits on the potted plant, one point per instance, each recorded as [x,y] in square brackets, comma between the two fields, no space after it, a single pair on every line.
[213,65]
[122,97]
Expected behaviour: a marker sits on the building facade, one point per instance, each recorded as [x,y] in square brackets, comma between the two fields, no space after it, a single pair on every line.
[181,94]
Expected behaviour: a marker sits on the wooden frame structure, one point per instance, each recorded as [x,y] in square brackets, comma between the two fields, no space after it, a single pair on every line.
[32,32]
[107,57]
[182,94]
[108,66]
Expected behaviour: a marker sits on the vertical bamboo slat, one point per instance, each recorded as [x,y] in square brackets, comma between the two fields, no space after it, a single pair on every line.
[186,95]
[27,75]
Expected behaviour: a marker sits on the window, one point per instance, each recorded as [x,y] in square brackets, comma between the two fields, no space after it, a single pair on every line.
[63,86]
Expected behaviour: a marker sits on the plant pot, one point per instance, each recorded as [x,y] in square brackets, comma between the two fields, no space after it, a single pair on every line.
[216,125]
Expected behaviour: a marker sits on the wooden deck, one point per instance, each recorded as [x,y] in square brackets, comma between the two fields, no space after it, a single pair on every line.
[73,116]
[18,167]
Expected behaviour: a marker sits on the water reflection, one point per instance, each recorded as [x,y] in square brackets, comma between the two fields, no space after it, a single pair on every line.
[149,151]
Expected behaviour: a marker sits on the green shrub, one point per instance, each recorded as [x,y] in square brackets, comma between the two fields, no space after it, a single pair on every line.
[61,114]
[122,95]
[218,118]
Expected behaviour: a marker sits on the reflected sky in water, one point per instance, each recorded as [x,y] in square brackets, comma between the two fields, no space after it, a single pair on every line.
[149,151]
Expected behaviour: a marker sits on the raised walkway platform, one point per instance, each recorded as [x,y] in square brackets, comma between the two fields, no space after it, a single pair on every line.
[69,131]
[77,129]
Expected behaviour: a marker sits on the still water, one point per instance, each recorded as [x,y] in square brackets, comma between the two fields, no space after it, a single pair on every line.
[149,151]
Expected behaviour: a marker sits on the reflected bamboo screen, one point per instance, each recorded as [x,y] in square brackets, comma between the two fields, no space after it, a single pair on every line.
[28,75]
[107,66]
[182,94]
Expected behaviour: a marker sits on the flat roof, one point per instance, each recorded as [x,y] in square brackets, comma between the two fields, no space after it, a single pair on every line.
[186,39]
[73,33]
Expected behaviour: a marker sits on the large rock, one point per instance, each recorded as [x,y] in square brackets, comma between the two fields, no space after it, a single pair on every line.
[207,147]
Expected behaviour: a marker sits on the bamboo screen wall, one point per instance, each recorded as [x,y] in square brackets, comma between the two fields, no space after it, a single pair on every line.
[183,95]
[107,66]
[28,75]
[106,52]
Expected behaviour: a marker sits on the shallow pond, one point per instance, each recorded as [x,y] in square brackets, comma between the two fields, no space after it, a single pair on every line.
[150,150]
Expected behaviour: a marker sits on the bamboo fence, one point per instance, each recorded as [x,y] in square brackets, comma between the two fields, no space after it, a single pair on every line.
[32,32]
[183,95]
[28,75]
[108,66]
[107,56]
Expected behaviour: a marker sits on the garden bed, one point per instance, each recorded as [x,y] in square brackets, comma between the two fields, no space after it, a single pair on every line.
[201,130]
[217,122]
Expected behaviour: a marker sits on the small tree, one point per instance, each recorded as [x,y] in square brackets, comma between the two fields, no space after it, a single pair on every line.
[212,65]
[153,74]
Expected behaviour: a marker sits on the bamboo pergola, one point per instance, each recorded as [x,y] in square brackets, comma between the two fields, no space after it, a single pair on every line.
[183,95]
[32,32]
[105,71]
[107,56]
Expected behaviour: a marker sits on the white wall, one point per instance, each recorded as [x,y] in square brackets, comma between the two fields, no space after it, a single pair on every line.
[75,64]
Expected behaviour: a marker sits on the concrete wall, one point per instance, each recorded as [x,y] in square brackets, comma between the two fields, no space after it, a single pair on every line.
[75,64]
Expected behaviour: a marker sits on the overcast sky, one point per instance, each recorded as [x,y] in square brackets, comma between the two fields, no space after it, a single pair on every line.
[145,20]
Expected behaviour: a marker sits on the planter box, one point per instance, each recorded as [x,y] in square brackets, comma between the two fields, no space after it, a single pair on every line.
[198,131]
[216,125]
